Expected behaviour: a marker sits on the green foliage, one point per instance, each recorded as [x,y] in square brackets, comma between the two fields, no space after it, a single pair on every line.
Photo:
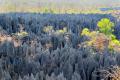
[46,10]
[85,32]
[61,31]
[105,33]
[48,29]
[105,26]
[112,36]
[21,34]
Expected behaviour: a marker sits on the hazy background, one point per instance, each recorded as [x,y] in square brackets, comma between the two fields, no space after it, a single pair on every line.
[81,3]
[24,5]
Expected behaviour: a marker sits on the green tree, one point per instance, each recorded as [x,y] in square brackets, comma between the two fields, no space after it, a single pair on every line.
[105,26]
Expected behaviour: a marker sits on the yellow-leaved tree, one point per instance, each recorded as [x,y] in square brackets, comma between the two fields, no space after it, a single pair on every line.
[104,37]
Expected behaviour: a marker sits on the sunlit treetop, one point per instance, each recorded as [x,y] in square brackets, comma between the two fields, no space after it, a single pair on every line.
[48,28]
[104,37]
[85,32]
[106,26]
[22,34]
[61,31]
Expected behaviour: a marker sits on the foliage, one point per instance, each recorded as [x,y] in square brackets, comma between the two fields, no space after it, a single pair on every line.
[48,29]
[21,34]
[61,31]
[51,57]
[104,38]
[105,26]
[85,31]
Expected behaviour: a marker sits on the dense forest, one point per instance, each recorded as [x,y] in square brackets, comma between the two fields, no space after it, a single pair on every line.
[50,47]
